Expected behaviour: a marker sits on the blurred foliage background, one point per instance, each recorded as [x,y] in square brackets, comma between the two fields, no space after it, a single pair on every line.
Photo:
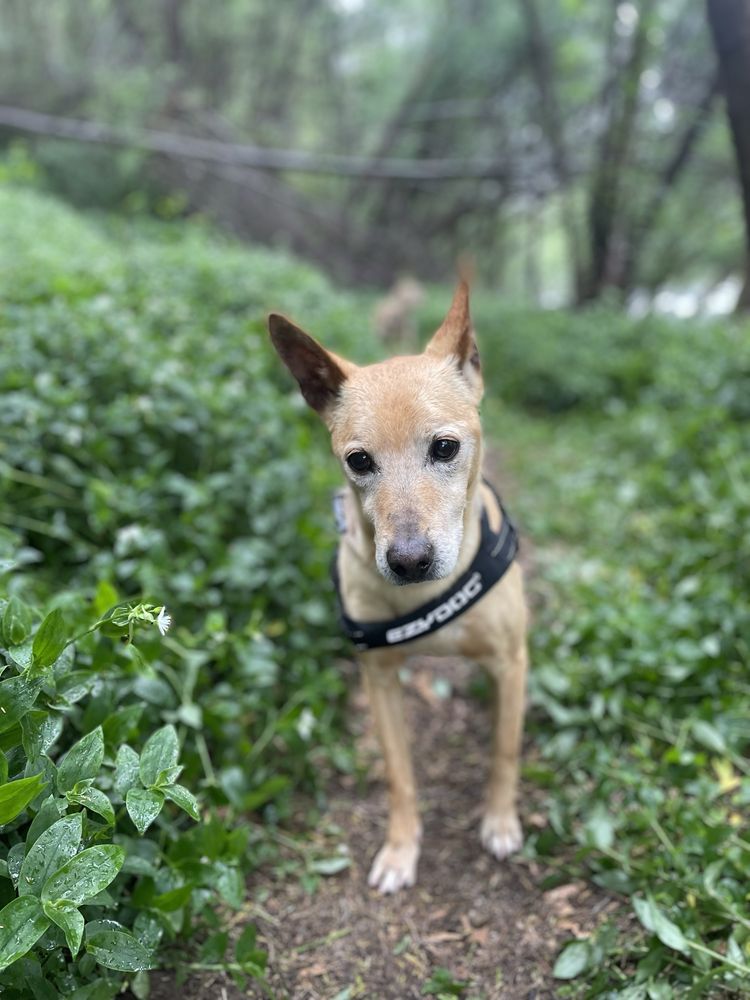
[589,155]
[579,149]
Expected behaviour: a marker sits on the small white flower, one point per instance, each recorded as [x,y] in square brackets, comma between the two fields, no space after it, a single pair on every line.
[128,539]
[163,621]
[305,724]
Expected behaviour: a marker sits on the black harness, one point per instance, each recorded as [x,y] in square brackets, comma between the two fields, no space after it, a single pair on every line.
[496,552]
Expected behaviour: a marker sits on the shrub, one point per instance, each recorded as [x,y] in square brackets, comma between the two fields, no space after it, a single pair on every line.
[152,445]
[152,441]
[96,868]
[556,361]
[641,662]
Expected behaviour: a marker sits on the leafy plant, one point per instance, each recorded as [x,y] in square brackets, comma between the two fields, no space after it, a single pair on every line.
[92,874]
[152,445]
[641,657]
[442,983]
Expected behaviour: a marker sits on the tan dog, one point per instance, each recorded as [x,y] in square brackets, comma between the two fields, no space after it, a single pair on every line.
[393,317]
[408,436]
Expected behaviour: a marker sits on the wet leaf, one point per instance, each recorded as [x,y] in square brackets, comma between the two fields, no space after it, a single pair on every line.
[116,948]
[160,752]
[57,844]
[49,641]
[143,805]
[84,875]
[184,799]
[572,961]
[82,761]
[69,920]
[22,923]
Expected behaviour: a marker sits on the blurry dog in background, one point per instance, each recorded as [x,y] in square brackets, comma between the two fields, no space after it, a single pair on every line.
[394,316]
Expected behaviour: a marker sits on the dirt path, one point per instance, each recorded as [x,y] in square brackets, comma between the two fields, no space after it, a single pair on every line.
[487,923]
[490,924]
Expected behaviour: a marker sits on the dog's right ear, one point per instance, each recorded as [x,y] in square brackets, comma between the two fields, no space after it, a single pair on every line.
[319,372]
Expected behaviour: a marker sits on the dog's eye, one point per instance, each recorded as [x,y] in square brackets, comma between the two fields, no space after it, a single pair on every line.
[444,449]
[359,461]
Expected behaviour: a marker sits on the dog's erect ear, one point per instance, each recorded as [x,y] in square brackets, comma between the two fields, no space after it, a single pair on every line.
[456,337]
[319,372]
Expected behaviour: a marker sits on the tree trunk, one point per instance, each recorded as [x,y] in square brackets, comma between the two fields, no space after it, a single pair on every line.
[606,254]
[730,26]
[644,225]
[541,58]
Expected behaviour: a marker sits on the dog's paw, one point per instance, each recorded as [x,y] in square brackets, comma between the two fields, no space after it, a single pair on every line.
[501,835]
[394,867]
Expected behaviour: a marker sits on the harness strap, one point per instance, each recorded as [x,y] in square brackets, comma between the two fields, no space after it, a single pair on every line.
[493,558]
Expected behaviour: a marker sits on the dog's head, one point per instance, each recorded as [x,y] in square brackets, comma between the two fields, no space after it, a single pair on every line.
[407,433]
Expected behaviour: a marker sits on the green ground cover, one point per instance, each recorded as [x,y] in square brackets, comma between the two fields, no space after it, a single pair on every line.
[153,452]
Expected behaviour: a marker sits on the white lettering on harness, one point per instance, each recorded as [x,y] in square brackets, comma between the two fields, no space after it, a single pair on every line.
[442,613]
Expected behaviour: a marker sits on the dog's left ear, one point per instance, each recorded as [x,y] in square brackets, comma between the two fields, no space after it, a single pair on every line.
[320,373]
[456,337]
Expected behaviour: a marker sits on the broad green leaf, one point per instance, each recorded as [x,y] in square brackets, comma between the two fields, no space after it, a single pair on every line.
[63,665]
[168,776]
[69,920]
[600,828]
[213,949]
[191,715]
[712,873]
[73,687]
[660,990]
[184,799]
[148,929]
[172,900]
[259,796]
[229,883]
[708,736]
[14,861]
[143,805]
[99,990]
[3,768]
[52,849]
[22,923]
[330,866]
[49,813]
[40,730]
[126,770]
[161,751]
[140,985]
[82,761]
[654,920]
[252,959]
[16,623]
[16,795]
[572,960]
[93,799]
[115,948]
[21,655]
[17,695]
[43,767]
[105,598]
[49,641]
[84,875]
[121,724]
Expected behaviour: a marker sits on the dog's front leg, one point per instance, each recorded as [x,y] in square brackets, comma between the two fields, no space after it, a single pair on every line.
[500,831]
[395,865]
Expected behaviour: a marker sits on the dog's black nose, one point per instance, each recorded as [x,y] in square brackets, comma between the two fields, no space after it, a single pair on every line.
[410,558]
